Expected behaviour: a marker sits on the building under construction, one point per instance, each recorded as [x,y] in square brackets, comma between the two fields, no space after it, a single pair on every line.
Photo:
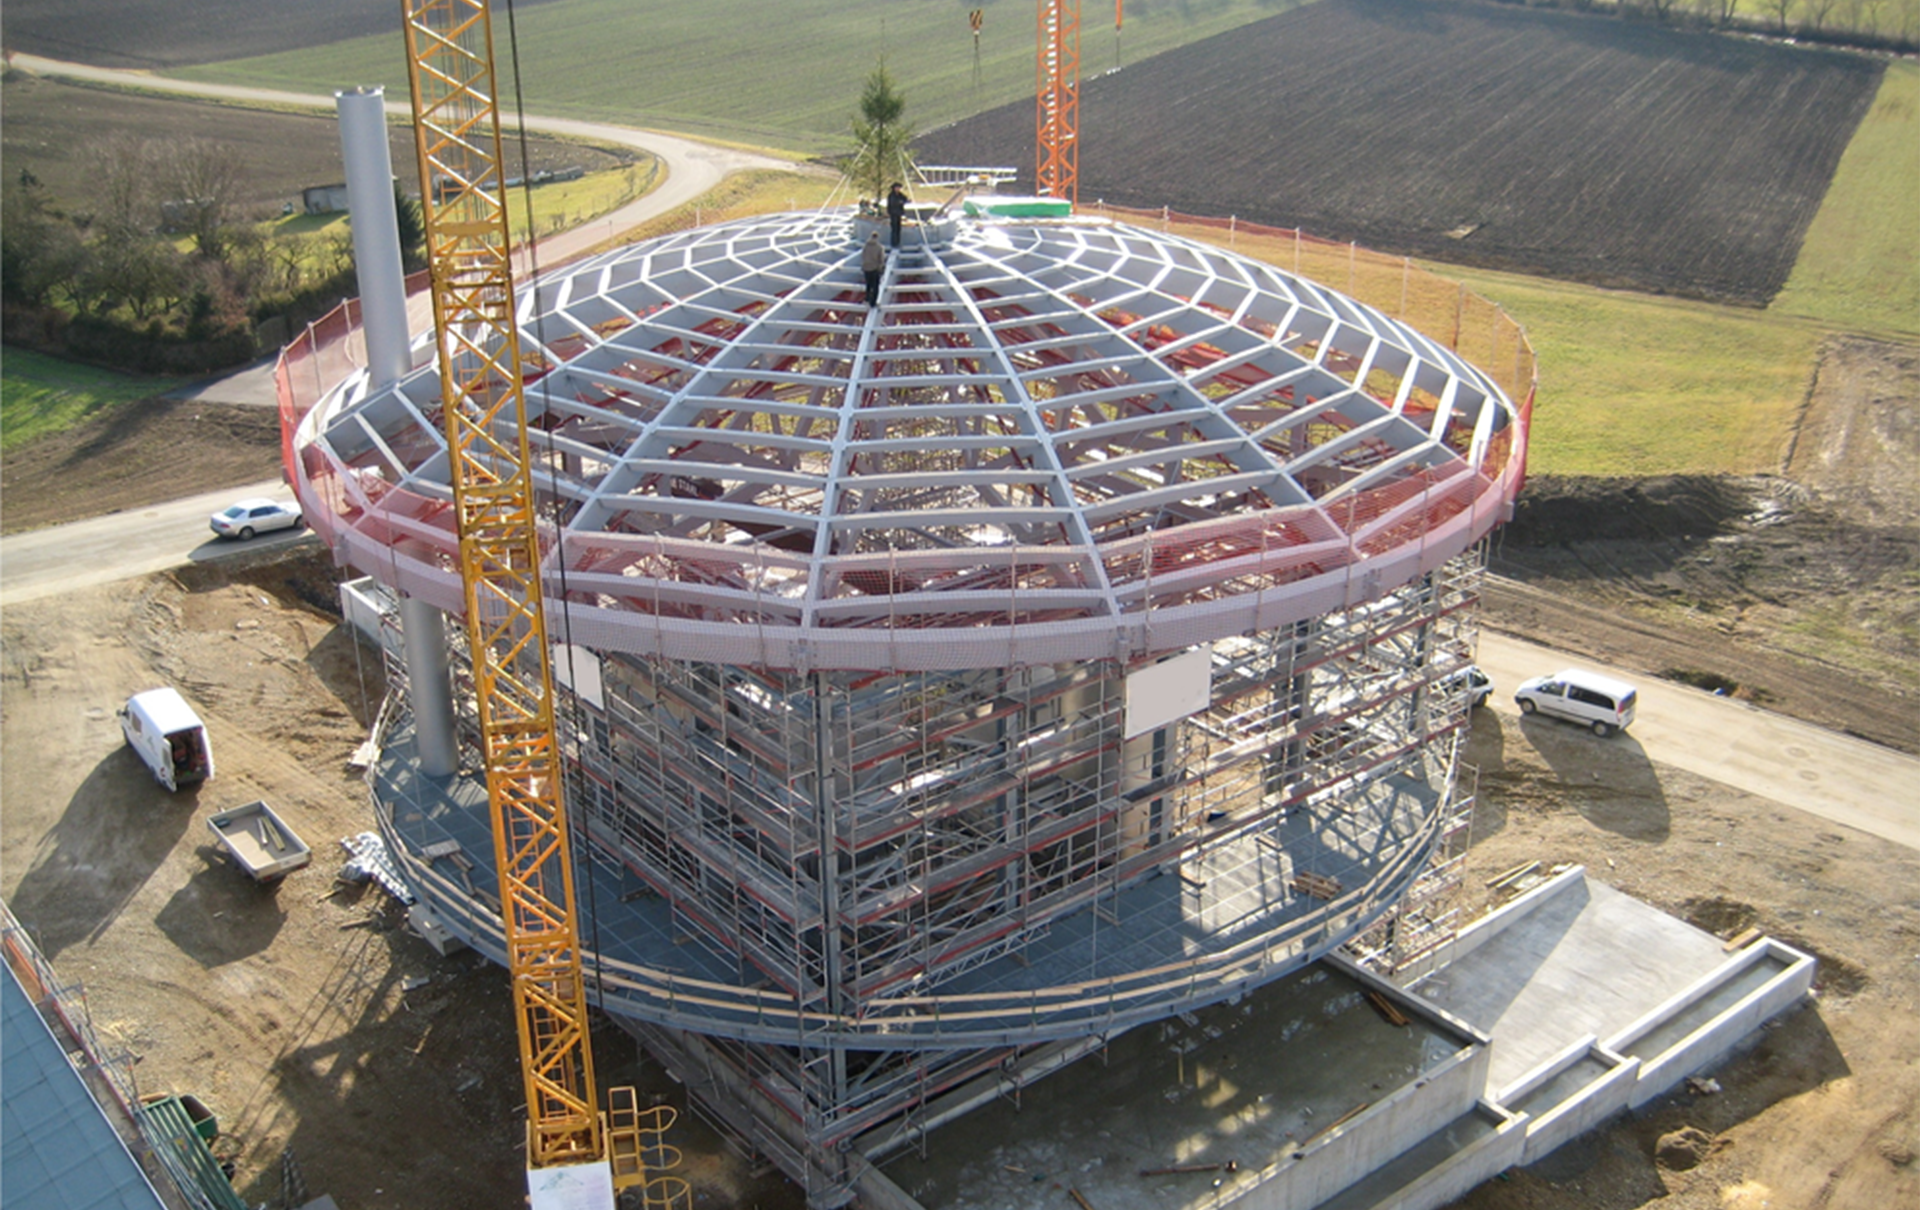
[1074,640]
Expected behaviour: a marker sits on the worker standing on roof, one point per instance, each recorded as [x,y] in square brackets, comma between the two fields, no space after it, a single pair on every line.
[896,209]
[873,258]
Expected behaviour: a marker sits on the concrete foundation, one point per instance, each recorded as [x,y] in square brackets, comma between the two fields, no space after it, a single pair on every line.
[1303,1085]
[1566,1008]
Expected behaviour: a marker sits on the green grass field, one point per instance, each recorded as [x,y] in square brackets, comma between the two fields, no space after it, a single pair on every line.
[1634,384]
[724,68]
[1859,266]
[40,395]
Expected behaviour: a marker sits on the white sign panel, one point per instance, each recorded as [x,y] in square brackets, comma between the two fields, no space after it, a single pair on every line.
[1170,690]
[571,1187]
[578,668]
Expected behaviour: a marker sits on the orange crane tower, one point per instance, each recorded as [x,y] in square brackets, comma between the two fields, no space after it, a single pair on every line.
[1057,143]
[457,137]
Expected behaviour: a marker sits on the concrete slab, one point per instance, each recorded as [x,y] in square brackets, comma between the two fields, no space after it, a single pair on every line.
[1588,960]
[1252,1082]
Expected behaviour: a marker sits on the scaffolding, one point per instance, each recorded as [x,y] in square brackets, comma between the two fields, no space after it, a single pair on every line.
[865,845]
[862,620]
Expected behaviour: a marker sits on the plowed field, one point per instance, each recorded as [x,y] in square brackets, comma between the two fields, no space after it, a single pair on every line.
[1577,147]
[116,33]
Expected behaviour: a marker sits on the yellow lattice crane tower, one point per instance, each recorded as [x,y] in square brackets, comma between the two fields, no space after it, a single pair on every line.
[571,1146]
[1057,117]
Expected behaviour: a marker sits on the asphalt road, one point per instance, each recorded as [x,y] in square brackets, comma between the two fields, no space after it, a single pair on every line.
[118,546]
[1824,773]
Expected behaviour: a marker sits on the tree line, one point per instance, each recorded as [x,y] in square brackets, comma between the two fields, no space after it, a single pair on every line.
[1878,24]
[161,267]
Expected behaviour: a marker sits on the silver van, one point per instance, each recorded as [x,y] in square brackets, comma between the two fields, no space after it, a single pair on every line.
[168,736]
[1599,702]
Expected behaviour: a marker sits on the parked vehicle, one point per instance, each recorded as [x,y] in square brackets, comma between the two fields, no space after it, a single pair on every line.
[1477,685]
[246,518]
[1599,702]
[168,737]
[259,841]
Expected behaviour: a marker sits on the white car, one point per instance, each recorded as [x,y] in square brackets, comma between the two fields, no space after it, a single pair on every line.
[1597,701]
[249,517]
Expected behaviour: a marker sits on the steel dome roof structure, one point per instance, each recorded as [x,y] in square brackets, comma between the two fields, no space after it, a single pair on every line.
[1052,440]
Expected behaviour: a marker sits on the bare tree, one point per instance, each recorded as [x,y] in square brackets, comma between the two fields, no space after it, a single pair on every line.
[201,180]
[1819,11]
[1716,12]
[1861,16]
[123,174]
[1779,9]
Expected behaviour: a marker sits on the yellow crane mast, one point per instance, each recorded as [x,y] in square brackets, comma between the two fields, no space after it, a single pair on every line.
[457,137]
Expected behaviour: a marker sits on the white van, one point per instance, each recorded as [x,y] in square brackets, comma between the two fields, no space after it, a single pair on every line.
[1597,701]
[168,736]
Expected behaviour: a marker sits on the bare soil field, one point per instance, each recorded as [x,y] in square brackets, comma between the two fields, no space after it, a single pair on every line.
[135,454]
[304,1014]
[123,33]
[1577,147]
[54,127]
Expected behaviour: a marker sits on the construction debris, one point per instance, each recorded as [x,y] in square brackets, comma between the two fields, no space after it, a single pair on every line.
[1388,1009]
[1319,886]
[370,860]
[1512,876]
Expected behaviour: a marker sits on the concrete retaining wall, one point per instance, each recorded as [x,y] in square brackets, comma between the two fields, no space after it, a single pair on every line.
[1607,1096]
[1349,1152]
[1725,1030]
[1480,1161]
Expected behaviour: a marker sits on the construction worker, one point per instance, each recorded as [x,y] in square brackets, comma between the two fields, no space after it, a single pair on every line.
[896,209]
[873,259]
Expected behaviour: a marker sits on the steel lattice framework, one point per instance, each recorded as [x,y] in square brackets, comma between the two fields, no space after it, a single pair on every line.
[1052,441]
[1057,100]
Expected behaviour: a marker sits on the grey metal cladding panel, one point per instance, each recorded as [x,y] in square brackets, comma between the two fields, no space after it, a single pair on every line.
[57,1149]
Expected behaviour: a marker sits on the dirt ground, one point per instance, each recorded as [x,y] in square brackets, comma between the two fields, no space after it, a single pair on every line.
[133,454]
[306,1020]
[311,1021]
[1794,590]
